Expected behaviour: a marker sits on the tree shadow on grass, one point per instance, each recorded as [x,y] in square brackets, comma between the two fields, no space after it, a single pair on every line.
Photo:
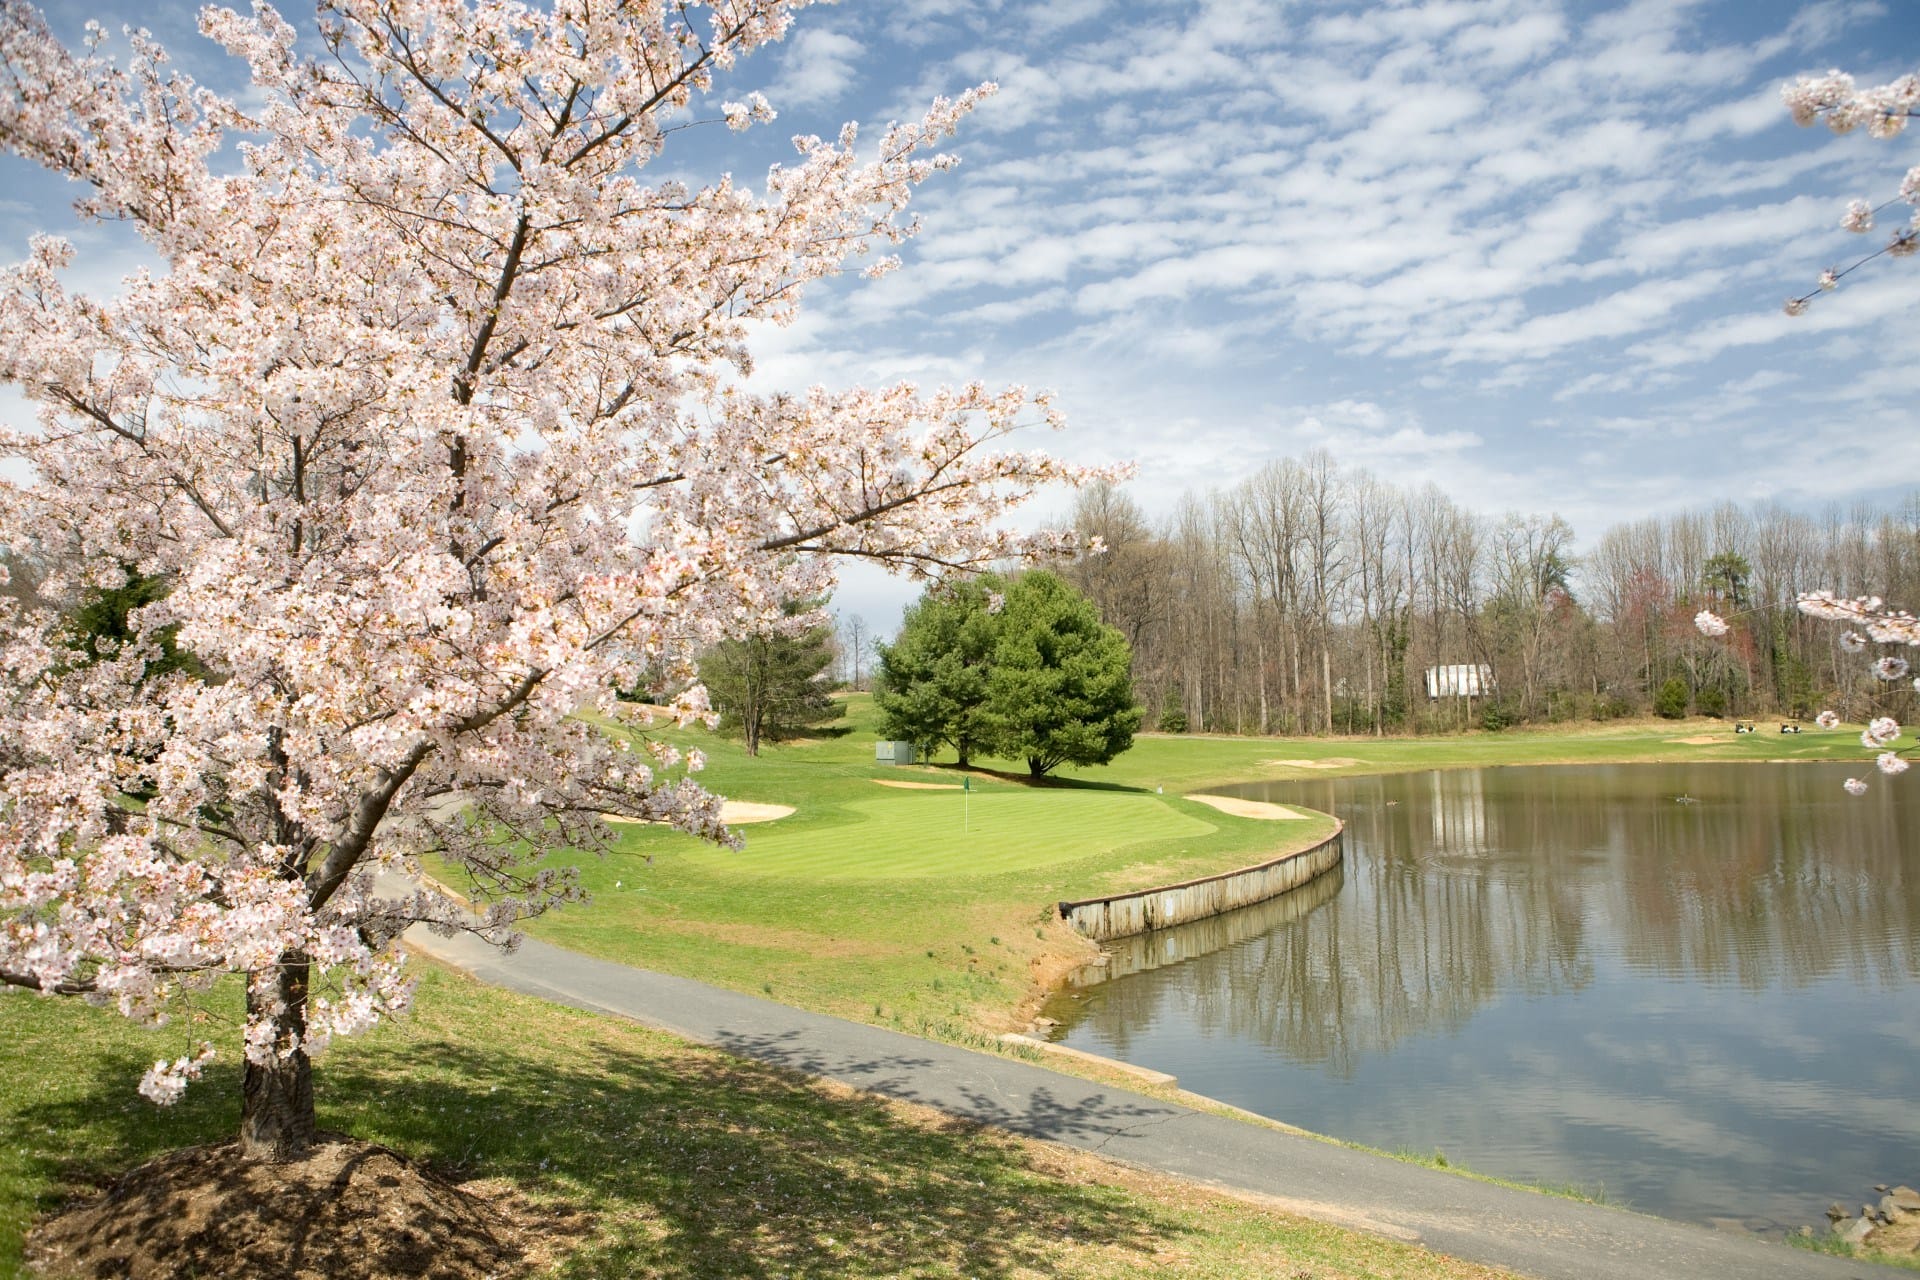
[1046,782]
[687,1162]
[705,1165]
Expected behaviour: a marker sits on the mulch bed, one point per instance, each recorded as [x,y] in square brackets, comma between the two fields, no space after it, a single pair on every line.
[349,1209]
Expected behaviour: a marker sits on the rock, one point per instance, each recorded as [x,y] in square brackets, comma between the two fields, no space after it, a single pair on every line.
[1891,1210]
[1907,1198]
[1856,1232]
[1870,1213]
[1837,1213]
[1881,1187]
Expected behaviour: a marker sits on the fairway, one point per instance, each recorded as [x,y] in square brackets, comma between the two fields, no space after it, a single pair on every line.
[932,909]
[949,833]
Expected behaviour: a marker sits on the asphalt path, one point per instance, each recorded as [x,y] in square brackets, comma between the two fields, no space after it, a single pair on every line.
[1530,1232]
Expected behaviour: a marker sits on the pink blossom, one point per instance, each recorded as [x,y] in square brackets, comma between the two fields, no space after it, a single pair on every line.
[1883,111]
[1890,763]
[1855,787]
[164,1082]
[1709,623]
[1890,668]
[1827,720]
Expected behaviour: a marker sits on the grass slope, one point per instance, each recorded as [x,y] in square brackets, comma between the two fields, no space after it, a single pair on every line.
[683,1162]
[648,1156]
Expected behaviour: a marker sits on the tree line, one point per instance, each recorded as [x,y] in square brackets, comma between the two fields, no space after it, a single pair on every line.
[1312,598]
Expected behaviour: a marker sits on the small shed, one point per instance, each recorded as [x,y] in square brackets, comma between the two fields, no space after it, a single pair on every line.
[1461,680]
[893,753]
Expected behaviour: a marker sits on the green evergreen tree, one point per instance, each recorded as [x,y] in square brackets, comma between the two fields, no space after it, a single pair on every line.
[1060,687]
[931,685]
[770,687]
[103,623]
[1670,699]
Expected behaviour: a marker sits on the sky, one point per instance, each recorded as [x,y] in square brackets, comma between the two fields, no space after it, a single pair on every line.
[1533,251]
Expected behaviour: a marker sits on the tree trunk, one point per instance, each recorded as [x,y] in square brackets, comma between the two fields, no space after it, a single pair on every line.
[1261,661]
[1326,680]
[276,1108]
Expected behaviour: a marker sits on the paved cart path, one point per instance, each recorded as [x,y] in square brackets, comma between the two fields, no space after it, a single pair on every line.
[1537,1235]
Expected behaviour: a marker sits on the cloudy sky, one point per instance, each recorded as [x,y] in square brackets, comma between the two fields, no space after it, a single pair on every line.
[1532,250]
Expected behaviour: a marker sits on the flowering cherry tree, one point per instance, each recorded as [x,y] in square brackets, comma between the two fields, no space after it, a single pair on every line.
[1883,112]
[434,425]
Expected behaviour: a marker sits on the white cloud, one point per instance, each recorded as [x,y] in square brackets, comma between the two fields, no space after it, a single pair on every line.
[818,66]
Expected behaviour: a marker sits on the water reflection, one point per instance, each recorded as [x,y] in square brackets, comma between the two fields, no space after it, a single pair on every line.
[1569,974]
[1144,951]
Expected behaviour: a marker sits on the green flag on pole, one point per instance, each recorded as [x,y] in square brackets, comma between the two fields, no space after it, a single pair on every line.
[966,783]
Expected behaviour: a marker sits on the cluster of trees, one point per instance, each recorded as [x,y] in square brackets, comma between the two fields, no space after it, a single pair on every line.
[1021,668]
[1312,598]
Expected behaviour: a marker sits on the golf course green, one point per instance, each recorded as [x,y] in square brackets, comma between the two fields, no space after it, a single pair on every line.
[923,897]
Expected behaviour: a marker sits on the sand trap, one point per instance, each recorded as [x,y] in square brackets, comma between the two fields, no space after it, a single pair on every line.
[918,786]
[1328,762]
[732,812]
[1699,740]
[1248,808]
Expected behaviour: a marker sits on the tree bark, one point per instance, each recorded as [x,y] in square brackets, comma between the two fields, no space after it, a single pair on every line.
[276,1107]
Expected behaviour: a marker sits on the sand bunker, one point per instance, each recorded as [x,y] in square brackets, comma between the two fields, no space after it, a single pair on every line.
[918,786]
[1699,740]
[732,812]
[1328,762]
[1248,808]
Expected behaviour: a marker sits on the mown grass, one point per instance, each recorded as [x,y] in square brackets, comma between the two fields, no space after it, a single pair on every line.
[663,1159]
[932,910]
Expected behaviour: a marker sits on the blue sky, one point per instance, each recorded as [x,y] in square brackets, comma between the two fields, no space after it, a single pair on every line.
[1531,250]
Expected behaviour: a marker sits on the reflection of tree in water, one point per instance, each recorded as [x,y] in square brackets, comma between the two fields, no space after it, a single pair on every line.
[1460,886]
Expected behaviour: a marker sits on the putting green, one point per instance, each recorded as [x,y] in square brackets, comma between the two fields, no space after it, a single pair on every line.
[948,833]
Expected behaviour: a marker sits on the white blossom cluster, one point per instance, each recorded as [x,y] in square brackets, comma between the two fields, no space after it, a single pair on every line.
[1883,111]
[434,427]
[165,1081]
[1876,624]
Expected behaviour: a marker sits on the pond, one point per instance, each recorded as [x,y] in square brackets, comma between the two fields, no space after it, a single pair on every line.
[1696,988]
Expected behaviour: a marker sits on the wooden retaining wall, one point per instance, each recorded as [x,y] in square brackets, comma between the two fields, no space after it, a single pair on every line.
[1129,913]
[1119,957]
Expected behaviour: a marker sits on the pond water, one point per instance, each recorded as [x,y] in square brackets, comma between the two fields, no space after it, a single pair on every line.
[1694,987]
